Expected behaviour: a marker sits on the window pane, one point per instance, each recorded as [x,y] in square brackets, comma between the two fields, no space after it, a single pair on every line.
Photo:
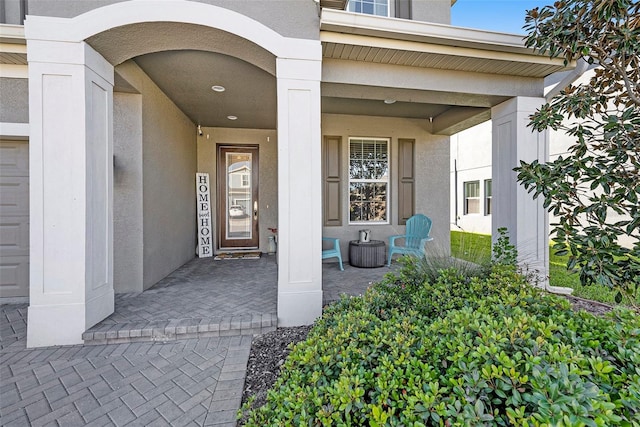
[368,202]
[370,7]
[487,188]
[472,189]
[473,206]
[487,197]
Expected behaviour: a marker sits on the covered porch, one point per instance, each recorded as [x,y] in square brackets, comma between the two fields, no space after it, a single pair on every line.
[128,218]
[210,298]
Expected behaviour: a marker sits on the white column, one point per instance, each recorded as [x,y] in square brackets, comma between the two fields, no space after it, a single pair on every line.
[71,191]
[514,208]
[299,192]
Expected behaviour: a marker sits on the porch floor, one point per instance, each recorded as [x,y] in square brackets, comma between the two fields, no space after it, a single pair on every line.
[208,298]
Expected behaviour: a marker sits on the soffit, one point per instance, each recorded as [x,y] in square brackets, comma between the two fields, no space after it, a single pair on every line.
[393,41]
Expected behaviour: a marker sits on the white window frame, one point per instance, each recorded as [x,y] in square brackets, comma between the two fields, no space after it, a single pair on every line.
[466,197]
[386,181]
[353,8]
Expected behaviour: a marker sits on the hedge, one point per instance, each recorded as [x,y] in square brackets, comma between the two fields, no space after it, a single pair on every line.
[461,351]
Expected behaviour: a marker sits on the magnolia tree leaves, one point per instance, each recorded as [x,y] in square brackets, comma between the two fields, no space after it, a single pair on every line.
[594,189]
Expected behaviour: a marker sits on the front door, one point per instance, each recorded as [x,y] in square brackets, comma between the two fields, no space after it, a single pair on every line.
[238,197]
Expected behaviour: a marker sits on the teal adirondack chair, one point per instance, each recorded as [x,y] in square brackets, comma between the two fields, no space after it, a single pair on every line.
[333,252]
[417,234]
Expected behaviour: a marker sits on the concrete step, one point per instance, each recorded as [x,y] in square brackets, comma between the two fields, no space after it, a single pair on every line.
[176,329]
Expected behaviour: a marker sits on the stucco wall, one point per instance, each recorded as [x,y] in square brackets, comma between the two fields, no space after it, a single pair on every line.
[431,11]
[15,100]
[291,18]
[268,171]
[127,193]
[169,166]
[432,175]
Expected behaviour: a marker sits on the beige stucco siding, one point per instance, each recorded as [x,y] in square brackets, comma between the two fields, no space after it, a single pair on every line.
[268,169]
[431,165]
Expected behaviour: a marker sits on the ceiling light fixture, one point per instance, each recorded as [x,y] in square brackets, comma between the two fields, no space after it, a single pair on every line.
[218,88]
[232,117]
[389,101]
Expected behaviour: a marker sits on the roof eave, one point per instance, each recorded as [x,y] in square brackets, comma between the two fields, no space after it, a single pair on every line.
[403,29]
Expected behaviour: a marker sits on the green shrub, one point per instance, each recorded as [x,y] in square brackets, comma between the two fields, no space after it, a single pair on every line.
[461,351]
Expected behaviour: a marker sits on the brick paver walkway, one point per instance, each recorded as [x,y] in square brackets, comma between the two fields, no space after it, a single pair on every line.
[172,379]
[187,382]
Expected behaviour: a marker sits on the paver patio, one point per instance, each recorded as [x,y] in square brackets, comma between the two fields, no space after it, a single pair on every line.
[177,378]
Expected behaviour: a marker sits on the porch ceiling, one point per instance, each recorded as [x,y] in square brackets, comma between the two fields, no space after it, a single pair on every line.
[186,77]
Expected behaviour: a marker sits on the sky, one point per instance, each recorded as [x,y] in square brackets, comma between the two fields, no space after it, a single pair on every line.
[505,16]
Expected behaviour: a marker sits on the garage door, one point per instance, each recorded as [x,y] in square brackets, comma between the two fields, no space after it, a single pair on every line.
[14,218]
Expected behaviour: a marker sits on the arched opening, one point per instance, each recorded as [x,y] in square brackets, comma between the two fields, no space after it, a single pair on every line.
[140,81]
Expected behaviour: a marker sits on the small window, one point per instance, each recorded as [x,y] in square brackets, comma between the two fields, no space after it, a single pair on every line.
[472,197]
[368,180]
[369,7]
[245,180]
[487,197]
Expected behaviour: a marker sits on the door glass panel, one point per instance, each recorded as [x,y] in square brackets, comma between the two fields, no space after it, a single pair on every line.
[238,193]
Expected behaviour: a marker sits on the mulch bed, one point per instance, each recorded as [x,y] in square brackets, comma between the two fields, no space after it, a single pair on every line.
[269,351]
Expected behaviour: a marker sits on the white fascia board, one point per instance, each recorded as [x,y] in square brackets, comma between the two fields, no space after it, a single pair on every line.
[402,29]
[12,34]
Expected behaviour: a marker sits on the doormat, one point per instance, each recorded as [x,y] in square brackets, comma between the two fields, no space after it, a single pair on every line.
[238,255]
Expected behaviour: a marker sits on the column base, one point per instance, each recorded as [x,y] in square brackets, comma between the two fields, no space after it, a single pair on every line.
[53,325]
[299,308]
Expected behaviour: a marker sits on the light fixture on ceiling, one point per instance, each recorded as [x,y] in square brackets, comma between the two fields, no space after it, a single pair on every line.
[199,130]
[389,101]
[218,88]
[232,117]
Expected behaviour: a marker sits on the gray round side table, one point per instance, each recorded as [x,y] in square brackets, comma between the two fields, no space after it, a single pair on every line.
[367,255]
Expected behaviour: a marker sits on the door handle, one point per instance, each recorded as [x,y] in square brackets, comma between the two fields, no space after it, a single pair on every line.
[255,210]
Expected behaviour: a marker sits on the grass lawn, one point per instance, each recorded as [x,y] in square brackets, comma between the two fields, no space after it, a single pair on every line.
[477,247]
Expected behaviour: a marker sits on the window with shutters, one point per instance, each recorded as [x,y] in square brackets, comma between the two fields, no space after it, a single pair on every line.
[472,197]
[368,180]
[369,7]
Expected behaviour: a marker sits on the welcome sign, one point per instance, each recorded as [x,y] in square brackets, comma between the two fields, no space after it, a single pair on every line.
[205,248]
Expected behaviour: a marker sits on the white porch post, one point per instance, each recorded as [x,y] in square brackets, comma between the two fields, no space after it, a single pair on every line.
[71,188]
[299,192]
[525,218]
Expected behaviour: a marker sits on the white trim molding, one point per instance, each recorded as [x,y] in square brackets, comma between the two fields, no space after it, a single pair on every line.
[14,130]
